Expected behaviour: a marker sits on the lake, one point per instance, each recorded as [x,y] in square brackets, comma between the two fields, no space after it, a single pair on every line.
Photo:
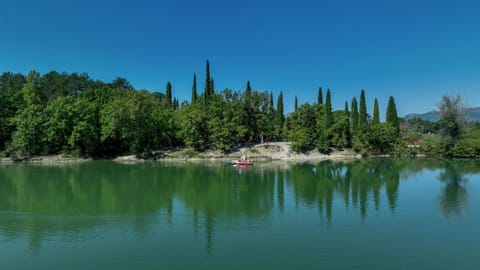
[369,214]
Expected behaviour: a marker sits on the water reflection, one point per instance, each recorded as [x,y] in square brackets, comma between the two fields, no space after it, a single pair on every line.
[357,184]
[453,198]
[69,202]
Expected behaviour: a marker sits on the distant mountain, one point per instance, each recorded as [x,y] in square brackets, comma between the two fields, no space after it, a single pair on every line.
[473,115]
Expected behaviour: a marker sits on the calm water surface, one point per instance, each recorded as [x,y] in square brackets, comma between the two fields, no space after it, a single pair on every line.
[370,214]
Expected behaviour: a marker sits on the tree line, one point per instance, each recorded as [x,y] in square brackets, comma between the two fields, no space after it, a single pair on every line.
[72,113]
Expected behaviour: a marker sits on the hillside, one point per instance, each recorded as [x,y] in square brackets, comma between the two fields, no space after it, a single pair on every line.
[473,115]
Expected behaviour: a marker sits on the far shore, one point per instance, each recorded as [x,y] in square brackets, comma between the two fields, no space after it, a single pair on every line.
[275,151]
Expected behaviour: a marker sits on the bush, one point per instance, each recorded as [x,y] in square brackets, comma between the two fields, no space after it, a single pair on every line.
[433,145]
[467,147]
[302,140]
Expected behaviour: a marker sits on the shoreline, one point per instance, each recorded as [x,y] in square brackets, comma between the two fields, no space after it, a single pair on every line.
[263,152]
[274,151]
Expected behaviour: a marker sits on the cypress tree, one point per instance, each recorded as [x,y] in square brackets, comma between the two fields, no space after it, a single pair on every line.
[279,113]
[362,114]
[320,96]
[271,110]
[271,101]
[376,114]
[169,93]
[354,114]
[212,87]
[347,134]
[175,104]
[328,111]
[248,90]
[267,122]
[249,117]
[207,83]
[296,104]
[392,116]
[194,88]
[248,101]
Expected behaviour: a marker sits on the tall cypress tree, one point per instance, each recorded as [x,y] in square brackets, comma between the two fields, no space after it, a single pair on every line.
[347,134]
[271,101]
[296,104]
[248,98]
[207,90]
[354,114]
[320,96]
[362,114]
[194,88]
[328,110]
[376,113]
[169,93]
[279,113]
[392,116]
[249,117]
[271,109]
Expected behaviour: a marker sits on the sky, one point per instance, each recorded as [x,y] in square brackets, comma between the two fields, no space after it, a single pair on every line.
[416,51]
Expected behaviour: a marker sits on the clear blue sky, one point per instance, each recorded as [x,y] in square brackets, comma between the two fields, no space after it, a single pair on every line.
[413,50]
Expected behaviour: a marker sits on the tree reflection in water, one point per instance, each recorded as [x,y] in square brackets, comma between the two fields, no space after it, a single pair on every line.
[75,200]
[454,196]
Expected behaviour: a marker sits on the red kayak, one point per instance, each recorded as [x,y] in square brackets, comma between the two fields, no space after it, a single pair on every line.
[241,163]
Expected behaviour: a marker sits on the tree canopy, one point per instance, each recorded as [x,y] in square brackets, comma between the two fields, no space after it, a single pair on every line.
[72,113]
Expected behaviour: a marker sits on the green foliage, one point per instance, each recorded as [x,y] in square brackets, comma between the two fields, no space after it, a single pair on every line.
[168,93]
[11,100]
[29,121]
[468,145]
[376,139]
[70,113]
[121,84]
[59,123]
[362,114]
[302,134]
[250,114]
[452,119]
[392,116]
[208,84]
[320,96]
[339,134]
[192,122]
[433,145]
[279,117]
[266,115]
[225,123]
[328,111]
[29,133]
[347,134]
[85,137]
[248,90]
[31,89]
[323,145]
[194,88]
[376,113]
[354,116]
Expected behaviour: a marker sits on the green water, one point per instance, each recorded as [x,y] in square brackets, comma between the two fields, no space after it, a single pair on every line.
[371,214]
